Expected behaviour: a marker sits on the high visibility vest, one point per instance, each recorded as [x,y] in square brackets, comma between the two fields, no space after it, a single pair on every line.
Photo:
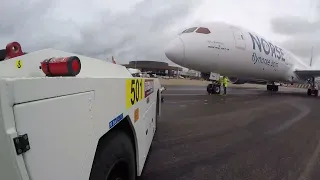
[225,82]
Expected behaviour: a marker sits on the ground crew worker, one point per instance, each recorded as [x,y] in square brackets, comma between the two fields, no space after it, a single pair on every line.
[225,84]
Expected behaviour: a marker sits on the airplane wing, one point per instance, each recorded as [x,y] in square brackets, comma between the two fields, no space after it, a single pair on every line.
[306,74]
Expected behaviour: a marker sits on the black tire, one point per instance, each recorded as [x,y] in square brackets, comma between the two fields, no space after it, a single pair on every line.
[115,158]
[209,88]
[269,88]
[272,87]
[216,89]
[309,92]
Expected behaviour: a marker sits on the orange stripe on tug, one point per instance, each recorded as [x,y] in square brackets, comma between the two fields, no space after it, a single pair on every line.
[64,66]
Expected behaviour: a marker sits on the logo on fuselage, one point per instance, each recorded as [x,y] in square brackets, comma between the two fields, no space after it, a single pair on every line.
[257,59]
[267,47]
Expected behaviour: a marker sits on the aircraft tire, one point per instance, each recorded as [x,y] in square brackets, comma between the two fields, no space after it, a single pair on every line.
[209,89]
[312,92]
[315,92]
[309,92]
[213,89]
[269,87]
[216,89]
[272,87]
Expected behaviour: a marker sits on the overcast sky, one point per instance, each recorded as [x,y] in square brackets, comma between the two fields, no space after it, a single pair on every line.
[140,29]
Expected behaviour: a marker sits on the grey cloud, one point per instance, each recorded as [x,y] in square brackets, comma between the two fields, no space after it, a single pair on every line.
[136,33]
[302,35]
[302,47]
[292,25]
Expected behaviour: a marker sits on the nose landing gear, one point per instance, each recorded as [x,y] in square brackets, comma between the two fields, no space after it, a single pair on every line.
[213,88]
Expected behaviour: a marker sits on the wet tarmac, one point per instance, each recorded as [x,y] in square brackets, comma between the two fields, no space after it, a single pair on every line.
[247,134]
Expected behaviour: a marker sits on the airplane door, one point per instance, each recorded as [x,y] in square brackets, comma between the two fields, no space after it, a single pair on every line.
[238,38]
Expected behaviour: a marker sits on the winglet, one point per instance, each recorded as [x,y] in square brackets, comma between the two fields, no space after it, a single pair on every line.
[114,62]
[311,56]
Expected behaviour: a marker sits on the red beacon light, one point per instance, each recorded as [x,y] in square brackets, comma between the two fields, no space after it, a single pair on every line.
[62,66]
[13,50]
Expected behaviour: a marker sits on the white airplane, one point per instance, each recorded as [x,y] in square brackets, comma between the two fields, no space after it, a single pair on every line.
[240,55]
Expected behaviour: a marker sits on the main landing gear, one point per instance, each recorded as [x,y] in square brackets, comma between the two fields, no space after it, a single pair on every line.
[312,91]
[272,87]
[213,88]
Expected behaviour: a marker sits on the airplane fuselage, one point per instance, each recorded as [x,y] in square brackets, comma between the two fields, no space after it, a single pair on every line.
[234,52]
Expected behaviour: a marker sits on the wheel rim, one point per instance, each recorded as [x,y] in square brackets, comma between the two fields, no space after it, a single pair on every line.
[217,89]
[119,171]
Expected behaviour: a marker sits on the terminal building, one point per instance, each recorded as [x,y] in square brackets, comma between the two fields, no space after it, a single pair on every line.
[155,67]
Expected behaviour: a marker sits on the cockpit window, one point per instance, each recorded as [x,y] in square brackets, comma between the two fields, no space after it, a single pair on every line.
[190,30]
[203,30]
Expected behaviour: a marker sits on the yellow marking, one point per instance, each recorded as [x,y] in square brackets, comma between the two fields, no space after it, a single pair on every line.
[134,91]
[136,115]
[19,64]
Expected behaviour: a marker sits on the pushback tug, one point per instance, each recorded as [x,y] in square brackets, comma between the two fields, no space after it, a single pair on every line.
[67,116]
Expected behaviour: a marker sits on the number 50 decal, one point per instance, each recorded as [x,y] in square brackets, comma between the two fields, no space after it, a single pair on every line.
[134,91]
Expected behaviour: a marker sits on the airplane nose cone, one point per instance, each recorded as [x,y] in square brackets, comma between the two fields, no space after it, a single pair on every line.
[175,51]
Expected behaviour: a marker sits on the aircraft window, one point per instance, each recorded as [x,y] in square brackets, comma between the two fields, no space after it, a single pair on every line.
[189,30]
[203,30]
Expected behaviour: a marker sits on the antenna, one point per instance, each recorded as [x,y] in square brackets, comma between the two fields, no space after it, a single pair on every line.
[311,56]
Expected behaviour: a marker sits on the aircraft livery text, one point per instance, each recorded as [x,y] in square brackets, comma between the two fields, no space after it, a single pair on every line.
[261,60]
[267,47]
